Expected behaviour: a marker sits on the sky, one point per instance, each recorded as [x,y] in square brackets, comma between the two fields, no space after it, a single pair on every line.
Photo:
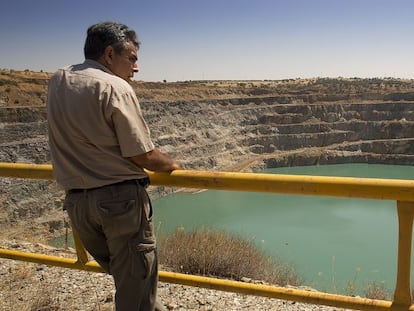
[221,39]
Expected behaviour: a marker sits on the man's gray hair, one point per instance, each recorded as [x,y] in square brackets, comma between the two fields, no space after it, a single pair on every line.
[102,35]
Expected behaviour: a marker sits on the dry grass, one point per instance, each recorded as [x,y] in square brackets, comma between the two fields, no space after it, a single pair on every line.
[215,253]
[44,299]
[372,289]
[33,295]
[219,254]
[376,290]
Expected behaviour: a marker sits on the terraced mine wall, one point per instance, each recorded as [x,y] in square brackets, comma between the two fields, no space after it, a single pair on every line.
[239,134]
[222,134]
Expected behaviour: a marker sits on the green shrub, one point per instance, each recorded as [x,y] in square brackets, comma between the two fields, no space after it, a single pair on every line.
[216,253]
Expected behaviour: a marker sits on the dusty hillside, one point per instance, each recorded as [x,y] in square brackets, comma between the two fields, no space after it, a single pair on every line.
[28,88]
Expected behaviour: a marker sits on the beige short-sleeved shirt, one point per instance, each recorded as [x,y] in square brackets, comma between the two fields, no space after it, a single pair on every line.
[95,124]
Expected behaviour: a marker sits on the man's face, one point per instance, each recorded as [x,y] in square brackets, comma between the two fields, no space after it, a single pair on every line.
[124,65]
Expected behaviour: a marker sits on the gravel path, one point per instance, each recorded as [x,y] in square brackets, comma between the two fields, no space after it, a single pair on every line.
[28,286]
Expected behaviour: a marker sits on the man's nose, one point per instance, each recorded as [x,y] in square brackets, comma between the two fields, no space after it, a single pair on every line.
[135,68]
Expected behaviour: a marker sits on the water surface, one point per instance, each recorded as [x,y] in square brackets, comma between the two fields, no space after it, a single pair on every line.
[331,241]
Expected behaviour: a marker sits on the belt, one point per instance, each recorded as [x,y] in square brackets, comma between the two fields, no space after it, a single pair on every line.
[144,182]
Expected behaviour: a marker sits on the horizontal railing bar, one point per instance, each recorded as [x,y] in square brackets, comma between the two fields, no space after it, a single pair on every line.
[298,295]
[56,261]
[23,170]
[350,187]
[369,188]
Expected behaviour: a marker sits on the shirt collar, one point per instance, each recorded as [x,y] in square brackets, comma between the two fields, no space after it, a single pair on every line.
[97,65]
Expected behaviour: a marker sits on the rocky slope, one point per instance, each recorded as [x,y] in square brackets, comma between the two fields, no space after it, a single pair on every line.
[237,134]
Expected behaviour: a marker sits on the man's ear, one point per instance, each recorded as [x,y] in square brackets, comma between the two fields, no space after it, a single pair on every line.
[109,54]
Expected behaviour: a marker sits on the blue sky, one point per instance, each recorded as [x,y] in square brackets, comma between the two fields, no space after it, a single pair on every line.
[221,39]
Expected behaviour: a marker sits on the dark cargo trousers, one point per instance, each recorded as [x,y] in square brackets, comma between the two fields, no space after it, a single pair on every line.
[115,225]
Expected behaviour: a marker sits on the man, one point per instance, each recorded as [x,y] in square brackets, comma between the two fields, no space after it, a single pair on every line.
[100,145]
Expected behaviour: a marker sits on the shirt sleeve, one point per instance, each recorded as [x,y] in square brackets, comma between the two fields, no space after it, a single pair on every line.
[131,129]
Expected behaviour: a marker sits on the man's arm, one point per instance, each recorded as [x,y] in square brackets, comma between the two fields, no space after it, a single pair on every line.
[155,161]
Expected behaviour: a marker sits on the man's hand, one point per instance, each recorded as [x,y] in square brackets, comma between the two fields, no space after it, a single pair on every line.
[155,161]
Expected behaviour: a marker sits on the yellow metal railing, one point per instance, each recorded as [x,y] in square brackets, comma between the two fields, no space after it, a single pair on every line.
[401,191]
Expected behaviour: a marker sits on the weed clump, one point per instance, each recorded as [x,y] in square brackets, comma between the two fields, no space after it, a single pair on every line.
[219,254]
[376,290]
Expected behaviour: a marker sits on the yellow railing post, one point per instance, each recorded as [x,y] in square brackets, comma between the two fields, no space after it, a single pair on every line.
[80,249]
[402,294]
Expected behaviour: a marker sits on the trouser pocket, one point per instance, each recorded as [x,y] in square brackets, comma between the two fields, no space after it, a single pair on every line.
[144,259]
[119,217]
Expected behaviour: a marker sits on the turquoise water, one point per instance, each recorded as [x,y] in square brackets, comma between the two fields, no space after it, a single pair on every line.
[330,241]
